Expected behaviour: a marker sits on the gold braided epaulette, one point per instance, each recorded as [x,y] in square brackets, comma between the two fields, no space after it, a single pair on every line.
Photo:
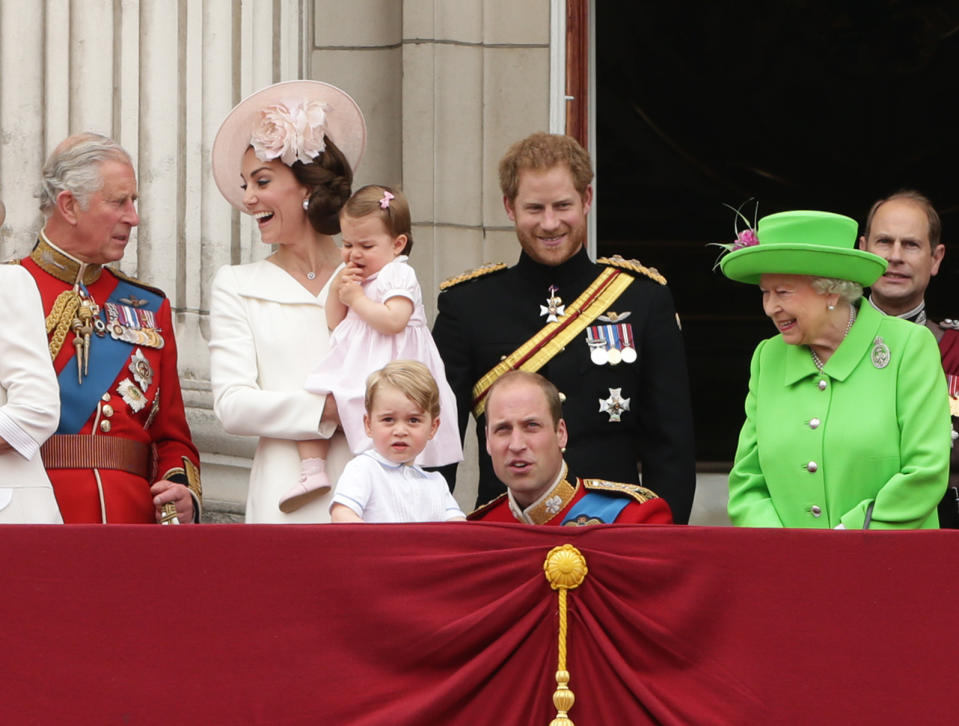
[134,281]
[485,507]
[480,271]
[640,494]
[633,266]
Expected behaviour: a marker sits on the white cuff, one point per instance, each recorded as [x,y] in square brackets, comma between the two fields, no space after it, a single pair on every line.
[19,439]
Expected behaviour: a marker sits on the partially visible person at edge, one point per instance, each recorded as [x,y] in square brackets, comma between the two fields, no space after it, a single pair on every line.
[29,404]
[525,438]
[285,156]
[122,451]
[606,334]
[847,424]
[905,230]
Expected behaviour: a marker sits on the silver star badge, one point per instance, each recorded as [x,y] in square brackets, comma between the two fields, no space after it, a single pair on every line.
[615,405]
[131,394]
[141,369]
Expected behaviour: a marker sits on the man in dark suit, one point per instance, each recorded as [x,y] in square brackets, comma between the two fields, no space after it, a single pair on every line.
[606,334]
[905,229]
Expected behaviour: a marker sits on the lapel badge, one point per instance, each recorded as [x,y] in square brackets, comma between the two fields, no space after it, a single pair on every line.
[554,504]
[47,257]
[131,394]
[554,308]
[615,405]
[141,369]
[880,353]
[613,317]
[133,301]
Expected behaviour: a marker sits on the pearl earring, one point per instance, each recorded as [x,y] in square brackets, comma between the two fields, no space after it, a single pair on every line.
[306,204]
[830,307]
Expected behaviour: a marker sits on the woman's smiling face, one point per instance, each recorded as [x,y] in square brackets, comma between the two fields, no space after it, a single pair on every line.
[273,196]
[796,309]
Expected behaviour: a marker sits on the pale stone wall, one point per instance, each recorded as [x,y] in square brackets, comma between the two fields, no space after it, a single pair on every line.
[445,86]
[158,76]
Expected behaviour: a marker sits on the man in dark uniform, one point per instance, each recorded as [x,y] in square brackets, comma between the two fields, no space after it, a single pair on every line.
[905,229]
[123,451]
[605,334]
[525,438]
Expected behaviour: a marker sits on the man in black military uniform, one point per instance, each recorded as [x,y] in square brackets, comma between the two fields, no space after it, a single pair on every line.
[605,334]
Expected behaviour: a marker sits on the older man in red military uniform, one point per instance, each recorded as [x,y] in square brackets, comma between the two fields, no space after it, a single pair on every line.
[525,438]
[123,451]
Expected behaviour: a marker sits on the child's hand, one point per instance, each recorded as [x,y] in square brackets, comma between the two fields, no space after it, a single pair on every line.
[350,288]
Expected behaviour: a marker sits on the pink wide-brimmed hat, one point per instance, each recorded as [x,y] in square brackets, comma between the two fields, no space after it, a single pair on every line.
[286,121]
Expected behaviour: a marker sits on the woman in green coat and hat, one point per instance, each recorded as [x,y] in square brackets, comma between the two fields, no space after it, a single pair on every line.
[847,422]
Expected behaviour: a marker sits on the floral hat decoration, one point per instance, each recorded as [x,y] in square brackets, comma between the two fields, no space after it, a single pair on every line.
[289,121]
[804,242]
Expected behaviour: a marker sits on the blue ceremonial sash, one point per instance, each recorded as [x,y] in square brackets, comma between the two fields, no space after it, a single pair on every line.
[107,358]
[597,505]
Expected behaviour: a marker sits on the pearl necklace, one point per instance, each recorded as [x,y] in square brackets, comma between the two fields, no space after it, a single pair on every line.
[852,319]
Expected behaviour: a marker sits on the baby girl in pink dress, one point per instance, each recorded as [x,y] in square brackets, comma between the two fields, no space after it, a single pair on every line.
[375,310]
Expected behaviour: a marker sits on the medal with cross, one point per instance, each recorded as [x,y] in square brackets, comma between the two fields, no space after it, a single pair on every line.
[554,308]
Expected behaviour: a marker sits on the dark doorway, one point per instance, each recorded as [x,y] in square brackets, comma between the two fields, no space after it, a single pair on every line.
[798,104]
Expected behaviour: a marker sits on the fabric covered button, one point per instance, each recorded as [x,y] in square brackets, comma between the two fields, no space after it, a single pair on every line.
[814,423]
[812,466]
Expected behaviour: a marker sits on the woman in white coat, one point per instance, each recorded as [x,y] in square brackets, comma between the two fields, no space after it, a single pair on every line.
[29,403]
[285,155]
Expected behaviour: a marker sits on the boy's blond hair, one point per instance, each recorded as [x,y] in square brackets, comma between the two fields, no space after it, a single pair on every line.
[410,377]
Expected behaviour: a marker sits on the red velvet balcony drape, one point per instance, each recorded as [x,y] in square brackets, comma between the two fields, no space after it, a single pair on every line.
[456,624]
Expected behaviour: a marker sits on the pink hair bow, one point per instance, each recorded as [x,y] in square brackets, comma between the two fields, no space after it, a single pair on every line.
[385,201]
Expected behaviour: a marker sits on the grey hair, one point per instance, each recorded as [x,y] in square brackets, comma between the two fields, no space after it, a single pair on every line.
[74,166]
[847,290]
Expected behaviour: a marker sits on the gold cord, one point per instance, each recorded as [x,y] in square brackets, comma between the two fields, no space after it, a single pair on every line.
[60,318]
[565,569]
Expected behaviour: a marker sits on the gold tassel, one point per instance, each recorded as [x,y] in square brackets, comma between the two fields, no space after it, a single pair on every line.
[565,569]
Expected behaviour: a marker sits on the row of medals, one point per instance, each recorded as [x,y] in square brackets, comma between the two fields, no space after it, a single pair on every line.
[601,355]
[600,352]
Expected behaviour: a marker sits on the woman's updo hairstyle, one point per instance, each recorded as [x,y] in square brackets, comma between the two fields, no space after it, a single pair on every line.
[388,204]
[330,179]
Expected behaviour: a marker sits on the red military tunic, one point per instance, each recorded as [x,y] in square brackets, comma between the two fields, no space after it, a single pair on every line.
[949,351]
[588,501]
[129,401]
